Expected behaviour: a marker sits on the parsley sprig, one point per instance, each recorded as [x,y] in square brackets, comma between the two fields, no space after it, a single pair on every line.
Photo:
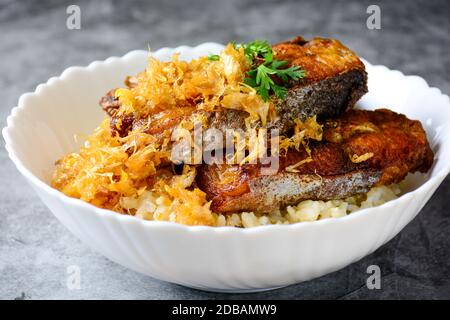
[264,67]
[213,57]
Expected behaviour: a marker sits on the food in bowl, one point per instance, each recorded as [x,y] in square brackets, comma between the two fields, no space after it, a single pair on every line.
[358,150]
[290,146]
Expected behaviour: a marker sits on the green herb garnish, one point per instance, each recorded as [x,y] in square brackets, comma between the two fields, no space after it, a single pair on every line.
[264,66]
[213,57]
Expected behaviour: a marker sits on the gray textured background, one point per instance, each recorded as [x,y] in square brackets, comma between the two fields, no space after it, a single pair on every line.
[35,248]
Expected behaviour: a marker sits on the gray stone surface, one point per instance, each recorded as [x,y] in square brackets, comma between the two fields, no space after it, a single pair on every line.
[35,248]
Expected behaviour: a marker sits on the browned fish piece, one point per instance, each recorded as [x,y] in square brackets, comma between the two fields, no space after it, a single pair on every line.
[336,79]
[395,144]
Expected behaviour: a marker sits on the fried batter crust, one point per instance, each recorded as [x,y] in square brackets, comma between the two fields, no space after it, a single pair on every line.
[396,144]
[336,79]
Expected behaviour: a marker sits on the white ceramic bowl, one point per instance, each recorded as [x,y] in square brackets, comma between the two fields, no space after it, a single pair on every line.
[41,129]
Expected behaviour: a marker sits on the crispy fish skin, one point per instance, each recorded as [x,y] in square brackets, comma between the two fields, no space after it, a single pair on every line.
[398,146]
[336,79]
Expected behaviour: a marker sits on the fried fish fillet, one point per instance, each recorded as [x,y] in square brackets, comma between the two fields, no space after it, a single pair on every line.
[360,150]
[336,79]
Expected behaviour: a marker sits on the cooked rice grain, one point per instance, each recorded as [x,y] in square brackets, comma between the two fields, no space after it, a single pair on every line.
[147,206]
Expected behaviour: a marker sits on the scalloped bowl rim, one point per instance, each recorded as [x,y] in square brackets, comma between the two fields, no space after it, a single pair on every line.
[439,176]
